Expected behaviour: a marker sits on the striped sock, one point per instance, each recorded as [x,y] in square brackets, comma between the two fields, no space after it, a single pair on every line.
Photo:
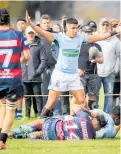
[19,115]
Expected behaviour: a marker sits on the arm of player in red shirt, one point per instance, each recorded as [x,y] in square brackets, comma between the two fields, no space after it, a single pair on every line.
[25,56]
[25,50]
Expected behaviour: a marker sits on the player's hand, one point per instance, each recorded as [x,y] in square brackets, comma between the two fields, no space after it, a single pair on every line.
[81,72]
[118,28]
[28,18]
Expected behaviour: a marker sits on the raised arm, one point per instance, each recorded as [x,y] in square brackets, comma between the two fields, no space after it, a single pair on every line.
[49,36]
[100,37]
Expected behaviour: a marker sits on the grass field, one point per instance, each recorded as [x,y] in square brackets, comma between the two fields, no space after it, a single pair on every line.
[25,146]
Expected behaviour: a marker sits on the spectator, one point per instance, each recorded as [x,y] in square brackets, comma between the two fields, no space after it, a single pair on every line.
[12,43]
[88,67]
[116,90]
[32,72]
[45,23]
[107,70]
[21,25]
[56,28]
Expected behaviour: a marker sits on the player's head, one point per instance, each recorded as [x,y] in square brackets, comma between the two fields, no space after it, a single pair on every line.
[4,17]
[115,114]
[71,27]
[99,122]
[21,24]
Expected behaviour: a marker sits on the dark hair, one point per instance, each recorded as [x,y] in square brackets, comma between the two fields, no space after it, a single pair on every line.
[86,28]
[116,111]
[102,121]
[93,25]
[4,17]
[21,19]
[45,16]
[71,21]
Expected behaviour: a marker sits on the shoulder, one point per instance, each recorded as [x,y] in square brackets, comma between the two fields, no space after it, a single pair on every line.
[18,33]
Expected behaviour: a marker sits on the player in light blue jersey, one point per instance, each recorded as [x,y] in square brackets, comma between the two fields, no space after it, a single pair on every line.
[65,77]
[113,123]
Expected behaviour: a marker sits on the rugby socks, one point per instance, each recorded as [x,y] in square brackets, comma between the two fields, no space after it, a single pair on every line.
[3,137]
[19,114]
[45,113]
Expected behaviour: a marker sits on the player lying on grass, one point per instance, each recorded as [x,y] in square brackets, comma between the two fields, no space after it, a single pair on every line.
[113,122]
[79,127]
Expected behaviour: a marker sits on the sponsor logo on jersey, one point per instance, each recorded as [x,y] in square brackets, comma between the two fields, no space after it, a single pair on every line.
[70,52]
[84,130]
[8,43]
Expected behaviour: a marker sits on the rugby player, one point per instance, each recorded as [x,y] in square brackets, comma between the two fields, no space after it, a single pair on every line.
[12,44]
[67,127]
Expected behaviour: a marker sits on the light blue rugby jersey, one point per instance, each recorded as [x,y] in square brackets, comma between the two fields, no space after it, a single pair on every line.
[108,131]
[69,49]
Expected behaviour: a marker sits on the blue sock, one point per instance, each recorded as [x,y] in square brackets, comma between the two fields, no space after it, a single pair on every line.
[19,114]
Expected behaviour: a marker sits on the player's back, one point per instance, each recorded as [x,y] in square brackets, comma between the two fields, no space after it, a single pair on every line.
[10,53]
[75,128]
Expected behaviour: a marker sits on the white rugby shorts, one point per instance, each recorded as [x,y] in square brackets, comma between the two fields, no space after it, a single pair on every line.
[61,81]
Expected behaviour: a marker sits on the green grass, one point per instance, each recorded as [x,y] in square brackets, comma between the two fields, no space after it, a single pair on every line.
[25,146]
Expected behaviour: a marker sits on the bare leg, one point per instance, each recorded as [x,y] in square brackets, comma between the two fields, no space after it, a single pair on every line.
[79,96]
[19,109]
[7,123]
[19,105]
[52,99]
[2,111]
[8,120]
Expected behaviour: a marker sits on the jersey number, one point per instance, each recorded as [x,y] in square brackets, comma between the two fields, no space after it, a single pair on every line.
[8,54]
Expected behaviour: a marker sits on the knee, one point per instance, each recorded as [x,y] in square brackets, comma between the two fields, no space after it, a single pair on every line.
[11,105]
[81,100]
